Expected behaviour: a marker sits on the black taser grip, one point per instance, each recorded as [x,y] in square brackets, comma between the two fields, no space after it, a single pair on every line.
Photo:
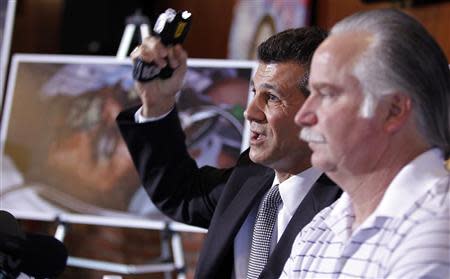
[172,28]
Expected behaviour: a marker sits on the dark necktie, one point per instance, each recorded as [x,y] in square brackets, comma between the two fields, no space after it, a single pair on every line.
[262,232]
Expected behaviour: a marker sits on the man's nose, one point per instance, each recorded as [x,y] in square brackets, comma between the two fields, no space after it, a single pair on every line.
[306,116]
[253,112]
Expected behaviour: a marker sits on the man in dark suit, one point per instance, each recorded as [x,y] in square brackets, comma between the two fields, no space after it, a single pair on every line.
[227,201]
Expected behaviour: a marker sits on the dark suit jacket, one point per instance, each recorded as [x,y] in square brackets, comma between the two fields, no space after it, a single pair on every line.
[216,199]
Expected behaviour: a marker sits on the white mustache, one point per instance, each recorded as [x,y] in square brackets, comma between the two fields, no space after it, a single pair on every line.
[308,135]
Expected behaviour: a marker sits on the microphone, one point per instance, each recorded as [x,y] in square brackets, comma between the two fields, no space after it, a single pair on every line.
[36,255]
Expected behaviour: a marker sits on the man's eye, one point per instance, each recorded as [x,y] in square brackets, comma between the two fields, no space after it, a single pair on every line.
[326,93]
[272,98]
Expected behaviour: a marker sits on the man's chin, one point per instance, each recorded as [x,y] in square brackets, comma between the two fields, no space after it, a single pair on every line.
[322,164]
[257,156]
[253,154]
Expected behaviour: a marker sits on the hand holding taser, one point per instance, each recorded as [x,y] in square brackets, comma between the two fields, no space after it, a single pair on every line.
[171,27]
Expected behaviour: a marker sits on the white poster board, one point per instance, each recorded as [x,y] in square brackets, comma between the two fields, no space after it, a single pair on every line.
[7,10]
[63,156]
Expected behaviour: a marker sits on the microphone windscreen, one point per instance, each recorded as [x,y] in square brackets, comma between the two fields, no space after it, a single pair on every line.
[11,242]
[9,225]
[43,256]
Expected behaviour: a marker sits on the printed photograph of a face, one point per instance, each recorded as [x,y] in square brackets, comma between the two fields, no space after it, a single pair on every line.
[62,149]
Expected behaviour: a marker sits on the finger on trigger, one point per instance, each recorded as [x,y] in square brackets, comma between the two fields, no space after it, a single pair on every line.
[152,51]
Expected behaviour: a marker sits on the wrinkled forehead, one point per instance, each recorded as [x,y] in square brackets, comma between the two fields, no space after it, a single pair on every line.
[279,74]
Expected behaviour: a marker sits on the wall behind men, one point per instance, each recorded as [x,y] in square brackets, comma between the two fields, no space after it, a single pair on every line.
[42,27]
[435,17]
[96,27]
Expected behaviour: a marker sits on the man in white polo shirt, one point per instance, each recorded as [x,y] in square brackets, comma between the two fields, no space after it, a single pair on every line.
[378,123]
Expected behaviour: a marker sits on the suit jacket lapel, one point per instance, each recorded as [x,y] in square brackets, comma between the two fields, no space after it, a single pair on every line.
[251,191]
[218,246]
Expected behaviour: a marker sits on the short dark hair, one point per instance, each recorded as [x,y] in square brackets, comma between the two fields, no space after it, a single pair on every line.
[293,45]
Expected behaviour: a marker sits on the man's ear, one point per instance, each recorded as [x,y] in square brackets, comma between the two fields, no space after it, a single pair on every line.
[399,111]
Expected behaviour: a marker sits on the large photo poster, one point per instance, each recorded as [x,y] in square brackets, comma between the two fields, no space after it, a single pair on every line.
[63,153]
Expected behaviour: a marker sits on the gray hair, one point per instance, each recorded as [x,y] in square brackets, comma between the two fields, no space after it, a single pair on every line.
[404,57]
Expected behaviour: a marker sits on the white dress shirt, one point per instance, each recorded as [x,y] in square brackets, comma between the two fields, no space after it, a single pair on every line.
[407,236]
[292,192]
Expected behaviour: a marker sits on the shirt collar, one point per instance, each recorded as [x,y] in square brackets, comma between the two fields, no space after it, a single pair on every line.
[295,188]
[341,215]
[411,183]
[408,186]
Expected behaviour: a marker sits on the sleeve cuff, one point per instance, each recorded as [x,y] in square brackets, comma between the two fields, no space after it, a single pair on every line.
[141,119]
